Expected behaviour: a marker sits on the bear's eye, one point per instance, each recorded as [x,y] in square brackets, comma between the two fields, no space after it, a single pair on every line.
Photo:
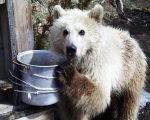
[82,32]
[65,32]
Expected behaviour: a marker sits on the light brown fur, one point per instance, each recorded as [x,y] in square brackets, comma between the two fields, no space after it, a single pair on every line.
[108,71]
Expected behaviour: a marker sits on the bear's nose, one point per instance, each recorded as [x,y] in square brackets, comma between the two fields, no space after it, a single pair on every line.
[71,50]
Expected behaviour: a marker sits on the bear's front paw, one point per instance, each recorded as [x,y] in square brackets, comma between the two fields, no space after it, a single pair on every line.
[69,71]
[73,83]
[66,73]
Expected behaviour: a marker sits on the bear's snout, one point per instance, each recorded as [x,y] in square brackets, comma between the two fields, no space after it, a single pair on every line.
[71,50]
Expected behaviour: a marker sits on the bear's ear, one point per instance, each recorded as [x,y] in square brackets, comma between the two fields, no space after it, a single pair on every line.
[58,11]
[96,13]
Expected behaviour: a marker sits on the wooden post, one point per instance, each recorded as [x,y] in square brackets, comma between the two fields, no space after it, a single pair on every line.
[20,30]
[3,38]
[23,25]
[22,21]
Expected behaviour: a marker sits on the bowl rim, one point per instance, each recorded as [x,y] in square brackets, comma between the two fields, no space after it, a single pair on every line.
[37,51]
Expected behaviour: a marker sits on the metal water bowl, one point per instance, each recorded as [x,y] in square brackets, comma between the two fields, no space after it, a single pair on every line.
[38,77]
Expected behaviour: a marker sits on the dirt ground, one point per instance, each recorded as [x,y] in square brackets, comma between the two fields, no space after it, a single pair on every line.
[139,28]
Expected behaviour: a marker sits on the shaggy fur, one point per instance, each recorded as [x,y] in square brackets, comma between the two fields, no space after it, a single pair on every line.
[108,70]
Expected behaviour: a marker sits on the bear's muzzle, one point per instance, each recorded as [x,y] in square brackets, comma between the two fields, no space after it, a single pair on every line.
[71,51]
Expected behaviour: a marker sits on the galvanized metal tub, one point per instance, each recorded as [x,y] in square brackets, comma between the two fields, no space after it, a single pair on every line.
[38,76]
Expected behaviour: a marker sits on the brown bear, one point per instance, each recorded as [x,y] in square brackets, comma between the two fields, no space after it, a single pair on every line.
[106,70]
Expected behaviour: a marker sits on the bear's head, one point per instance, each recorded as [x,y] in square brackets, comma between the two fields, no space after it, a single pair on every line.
[75,33]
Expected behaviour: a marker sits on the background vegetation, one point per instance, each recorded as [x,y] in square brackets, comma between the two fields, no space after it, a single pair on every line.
[42,13]
[42,17]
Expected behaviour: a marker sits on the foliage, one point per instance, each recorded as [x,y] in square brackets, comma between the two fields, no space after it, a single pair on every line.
[42,17]
[42,14]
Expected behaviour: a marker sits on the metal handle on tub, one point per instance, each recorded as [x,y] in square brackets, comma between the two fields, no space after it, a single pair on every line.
[36,75]
[22,65]
[37,92]
[30,85]
[30,71]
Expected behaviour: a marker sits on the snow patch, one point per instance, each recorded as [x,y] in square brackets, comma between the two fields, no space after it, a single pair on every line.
[145,98]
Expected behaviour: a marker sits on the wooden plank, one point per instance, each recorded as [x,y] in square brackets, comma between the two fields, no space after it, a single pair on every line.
[2,71]
[20,25]
[3,37]
[16,34]
[1,41]
[6,40]
[2,65]
[23,25]
[20,30]
[17,29]
[1,46]
[13,44]
[11,24]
